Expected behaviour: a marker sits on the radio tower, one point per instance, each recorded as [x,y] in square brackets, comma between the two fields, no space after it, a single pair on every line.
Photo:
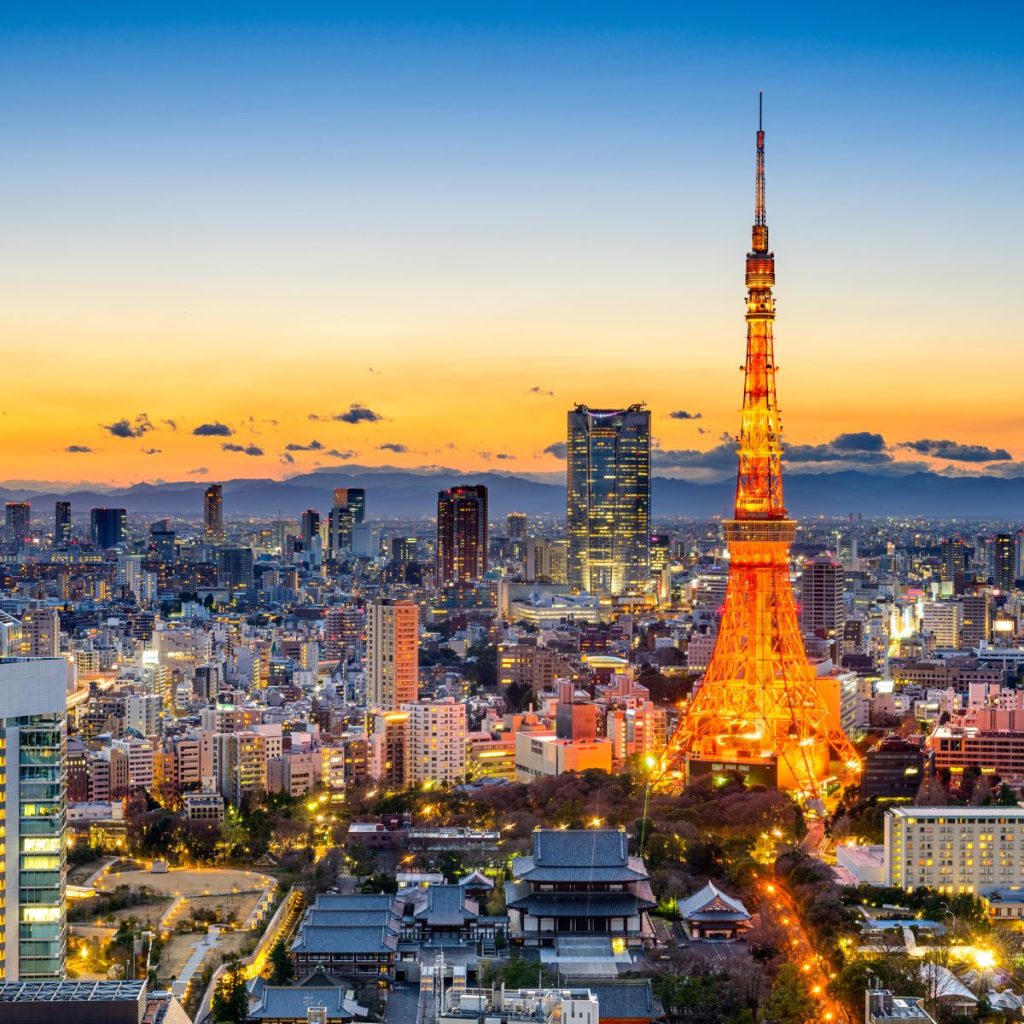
[760,709]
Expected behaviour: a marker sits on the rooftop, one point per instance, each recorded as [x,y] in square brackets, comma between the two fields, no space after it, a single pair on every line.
[579,855]
[314,938]
[955,813]
[71,991]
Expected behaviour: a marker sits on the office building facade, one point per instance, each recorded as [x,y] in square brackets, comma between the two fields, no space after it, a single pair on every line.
[1004,561]
[609,499]
[33,818]
[62,524]
[18,522]
[461,534]
[348,511]
[213,514]
[108,527]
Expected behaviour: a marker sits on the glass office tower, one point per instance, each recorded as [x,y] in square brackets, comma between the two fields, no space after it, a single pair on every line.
[609,499]
[33,823]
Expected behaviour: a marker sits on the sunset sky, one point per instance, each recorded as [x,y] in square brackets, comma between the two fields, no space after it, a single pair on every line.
[416,234]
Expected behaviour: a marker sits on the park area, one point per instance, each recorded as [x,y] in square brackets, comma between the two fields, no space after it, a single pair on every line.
[195,915]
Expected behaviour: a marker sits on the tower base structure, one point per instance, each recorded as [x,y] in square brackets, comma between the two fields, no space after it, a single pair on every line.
[761,710]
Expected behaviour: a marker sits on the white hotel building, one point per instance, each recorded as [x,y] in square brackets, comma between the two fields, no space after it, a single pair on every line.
[955,849]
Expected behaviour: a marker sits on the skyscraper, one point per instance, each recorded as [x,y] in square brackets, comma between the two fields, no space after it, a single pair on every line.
[609,499]
[1004,561]
[515,525]
[821,598]
[348,511]
[760,709]
[213,514]
[33,926]
[18,521]
[108,526]
[953,554]
[62,524]
[461,534]
[310,527]
[392,654]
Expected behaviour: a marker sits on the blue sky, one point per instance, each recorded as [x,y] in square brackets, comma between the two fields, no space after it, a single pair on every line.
[264,201]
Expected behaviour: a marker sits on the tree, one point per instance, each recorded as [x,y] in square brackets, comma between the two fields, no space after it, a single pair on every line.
[1006,797]
[378,882]
[282,970]
[518,972]
[790,1000]
[363,862]
[230,1004]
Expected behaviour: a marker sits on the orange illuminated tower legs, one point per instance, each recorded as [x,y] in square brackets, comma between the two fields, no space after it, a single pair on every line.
[761,709]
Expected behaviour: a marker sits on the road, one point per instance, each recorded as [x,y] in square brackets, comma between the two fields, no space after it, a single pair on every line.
[801,952]
[402,1004]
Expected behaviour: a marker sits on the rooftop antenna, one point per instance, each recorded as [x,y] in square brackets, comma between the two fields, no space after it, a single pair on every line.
[760,243]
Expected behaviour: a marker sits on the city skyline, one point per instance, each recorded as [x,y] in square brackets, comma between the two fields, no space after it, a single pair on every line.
[366,203]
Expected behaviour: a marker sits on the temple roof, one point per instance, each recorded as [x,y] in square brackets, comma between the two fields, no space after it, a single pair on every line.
[445,906]
[711,904]
[579,855]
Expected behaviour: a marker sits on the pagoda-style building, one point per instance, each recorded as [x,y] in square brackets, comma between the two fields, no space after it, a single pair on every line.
[583,885]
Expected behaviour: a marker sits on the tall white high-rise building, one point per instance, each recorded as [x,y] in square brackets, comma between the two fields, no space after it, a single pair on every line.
[33,814]
[435,745]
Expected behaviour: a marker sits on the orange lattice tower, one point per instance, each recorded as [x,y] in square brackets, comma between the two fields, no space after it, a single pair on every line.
[761,708]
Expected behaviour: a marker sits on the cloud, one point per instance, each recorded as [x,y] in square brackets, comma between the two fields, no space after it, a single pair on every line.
[245,449]
[1006,470]
[955,452]
[682,414]
[334,453]
[703,430]
[558,449]
[862,446]
[215,429]
[126,428]
[313,446]
[722,456]
[78,449]
[391,446]
[356,413]
[287,458]
[538,390]
[151,451]
[170,424]
[198,471]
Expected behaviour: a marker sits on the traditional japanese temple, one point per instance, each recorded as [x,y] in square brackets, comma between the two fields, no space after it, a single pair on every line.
[579,883]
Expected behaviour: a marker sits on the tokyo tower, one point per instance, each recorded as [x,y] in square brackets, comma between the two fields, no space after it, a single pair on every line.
[761,709]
